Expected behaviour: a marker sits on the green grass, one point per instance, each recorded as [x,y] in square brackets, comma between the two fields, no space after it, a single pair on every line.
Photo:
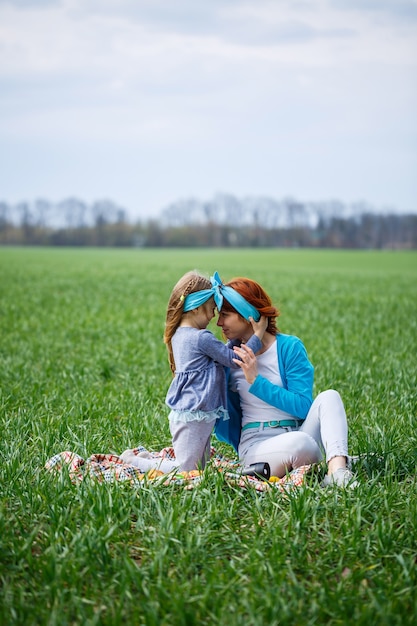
[83,367]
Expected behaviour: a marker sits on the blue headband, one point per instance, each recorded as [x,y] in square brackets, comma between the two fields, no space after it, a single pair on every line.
[220,291]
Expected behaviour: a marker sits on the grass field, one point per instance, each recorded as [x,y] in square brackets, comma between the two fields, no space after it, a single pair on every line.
[83,368]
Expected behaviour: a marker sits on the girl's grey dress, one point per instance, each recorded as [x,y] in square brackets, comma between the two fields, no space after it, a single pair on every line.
[197,395]
[198,389]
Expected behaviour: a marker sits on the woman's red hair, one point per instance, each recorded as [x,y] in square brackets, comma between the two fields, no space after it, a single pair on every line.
[257,297]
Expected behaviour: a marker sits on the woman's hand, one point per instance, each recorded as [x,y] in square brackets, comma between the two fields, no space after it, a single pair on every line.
[247,361]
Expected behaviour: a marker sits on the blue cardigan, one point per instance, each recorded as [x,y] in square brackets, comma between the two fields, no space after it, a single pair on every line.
[295,397]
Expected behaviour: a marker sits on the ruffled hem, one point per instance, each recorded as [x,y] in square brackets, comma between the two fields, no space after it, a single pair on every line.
[198,416]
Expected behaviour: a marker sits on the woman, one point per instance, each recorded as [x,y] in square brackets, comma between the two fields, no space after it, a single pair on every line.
[273,418]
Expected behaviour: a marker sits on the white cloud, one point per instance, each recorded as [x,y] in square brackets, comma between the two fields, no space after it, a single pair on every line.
[218,93]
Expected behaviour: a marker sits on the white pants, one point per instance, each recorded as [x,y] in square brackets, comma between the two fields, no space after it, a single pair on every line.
[323,431]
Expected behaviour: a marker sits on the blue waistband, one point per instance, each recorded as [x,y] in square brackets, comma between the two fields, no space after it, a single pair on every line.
[295,423]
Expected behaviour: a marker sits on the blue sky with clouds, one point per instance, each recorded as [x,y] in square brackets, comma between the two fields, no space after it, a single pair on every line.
[146,102]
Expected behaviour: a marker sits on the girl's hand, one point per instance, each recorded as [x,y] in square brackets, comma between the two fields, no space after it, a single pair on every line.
[247,361]
[259,327]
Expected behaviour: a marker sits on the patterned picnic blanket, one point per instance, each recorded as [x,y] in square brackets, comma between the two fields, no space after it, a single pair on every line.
[111,468]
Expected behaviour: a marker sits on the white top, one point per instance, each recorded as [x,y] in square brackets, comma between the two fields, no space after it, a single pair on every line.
[253,408]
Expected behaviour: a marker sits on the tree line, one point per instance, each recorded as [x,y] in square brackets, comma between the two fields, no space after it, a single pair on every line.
[224,221]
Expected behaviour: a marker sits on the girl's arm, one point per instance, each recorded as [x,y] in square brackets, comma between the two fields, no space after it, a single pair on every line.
[221,353]
[297,397]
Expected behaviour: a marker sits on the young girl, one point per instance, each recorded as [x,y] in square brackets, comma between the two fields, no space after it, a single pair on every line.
[197,395]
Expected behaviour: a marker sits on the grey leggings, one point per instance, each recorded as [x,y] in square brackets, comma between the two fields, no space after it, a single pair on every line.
[191,443]
[324,430]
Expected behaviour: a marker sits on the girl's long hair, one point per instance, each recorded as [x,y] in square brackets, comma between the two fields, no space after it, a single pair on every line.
[257,296]
[189,283]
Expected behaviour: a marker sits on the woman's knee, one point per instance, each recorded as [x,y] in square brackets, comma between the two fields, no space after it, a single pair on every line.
[330,395]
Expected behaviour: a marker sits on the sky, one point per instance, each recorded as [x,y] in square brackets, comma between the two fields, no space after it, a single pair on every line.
[147,102]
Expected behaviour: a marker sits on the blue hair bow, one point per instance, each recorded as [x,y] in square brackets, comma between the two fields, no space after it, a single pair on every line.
[220,291]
